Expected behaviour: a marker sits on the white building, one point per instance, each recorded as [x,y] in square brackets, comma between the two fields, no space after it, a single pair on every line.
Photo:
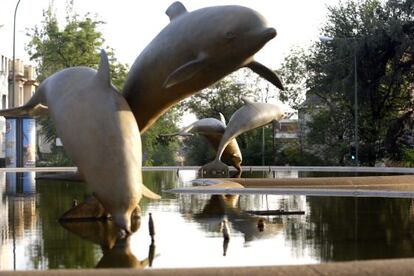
[4,92]
[25,86]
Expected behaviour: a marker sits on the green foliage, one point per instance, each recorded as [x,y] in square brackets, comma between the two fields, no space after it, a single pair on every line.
[157,150]
[408,157]
[380,35]
[223,96]
[291,153]
[77,43]
[198,151]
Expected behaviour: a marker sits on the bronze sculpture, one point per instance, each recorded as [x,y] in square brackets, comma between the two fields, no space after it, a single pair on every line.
[192,52]
[94,122]
[213,129]
[99,133]
[250,116]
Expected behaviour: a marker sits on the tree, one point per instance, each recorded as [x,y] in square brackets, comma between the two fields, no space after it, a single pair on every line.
[380,35]
[158,150]
[77,43]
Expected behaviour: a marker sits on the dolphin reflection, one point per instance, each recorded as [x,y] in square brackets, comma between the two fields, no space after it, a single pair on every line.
[219,206]
[116,249]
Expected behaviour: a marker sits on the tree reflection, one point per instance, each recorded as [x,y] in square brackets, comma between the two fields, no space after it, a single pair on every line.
[57,248]
[345,228]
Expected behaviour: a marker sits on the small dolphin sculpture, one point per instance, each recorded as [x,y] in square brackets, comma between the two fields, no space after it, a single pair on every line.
[250,116]
[213,129]
[193,51]
[99,133]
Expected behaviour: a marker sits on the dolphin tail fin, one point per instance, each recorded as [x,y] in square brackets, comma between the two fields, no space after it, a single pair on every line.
[26,110]
[34,107]
[266,73]
[148,193]
[183,132]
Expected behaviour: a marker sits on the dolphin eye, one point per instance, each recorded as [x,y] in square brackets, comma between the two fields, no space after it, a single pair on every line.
[230,35]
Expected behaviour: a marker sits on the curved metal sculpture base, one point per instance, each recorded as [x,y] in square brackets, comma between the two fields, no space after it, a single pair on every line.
[215,169]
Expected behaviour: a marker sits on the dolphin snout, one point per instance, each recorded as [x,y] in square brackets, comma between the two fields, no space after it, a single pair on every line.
[269,33]
[123,222]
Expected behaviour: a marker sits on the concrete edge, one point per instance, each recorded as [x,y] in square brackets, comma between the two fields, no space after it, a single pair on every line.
[371,267]
[245,168]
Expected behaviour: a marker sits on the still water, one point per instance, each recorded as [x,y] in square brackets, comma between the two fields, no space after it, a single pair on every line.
[187,228]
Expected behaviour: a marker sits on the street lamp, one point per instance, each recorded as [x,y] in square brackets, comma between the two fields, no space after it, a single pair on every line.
[324,38]
[14,54]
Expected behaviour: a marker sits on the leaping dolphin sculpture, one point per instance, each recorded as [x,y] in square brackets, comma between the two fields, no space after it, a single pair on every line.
[213,129]
[250,116]
[195,50]
[99,133]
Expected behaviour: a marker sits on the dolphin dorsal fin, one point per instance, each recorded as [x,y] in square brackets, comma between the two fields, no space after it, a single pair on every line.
[222,118]
[175,9]
[103,70]
[246,100]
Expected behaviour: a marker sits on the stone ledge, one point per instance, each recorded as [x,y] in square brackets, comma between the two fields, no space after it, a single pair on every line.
[372,267]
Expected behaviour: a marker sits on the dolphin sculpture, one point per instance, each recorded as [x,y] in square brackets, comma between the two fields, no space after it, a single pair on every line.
[250,116]
[195,50]
[213,129]
[99,133]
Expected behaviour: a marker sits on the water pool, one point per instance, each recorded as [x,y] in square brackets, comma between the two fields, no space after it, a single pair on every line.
[188,228]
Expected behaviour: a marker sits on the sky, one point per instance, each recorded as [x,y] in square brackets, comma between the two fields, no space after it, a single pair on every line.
[132,24]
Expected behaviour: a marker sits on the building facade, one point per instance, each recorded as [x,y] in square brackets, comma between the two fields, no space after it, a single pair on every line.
[4,93]
[24,87]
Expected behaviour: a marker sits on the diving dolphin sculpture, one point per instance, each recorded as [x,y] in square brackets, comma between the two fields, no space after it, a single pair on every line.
[213,129]
[195,50]
[99,133]
[250,116]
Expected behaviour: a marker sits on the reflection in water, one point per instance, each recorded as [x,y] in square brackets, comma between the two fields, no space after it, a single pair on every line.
[151,228]
[188,228]
[361,228]
[116,249]
[18,216]
[225,229]
[219,207]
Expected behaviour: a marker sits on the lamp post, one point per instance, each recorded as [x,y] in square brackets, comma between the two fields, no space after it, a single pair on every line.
[323,38]
[14,55]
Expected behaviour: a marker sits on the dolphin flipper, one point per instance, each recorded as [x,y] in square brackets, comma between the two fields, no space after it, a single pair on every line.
[148,193]
[222,118]
[265,73]
[186,71]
